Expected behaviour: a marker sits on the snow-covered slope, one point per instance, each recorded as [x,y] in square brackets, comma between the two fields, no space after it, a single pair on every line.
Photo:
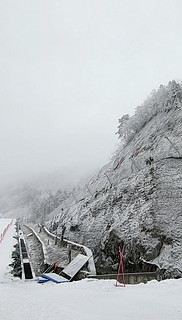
[134,203]
[86,299]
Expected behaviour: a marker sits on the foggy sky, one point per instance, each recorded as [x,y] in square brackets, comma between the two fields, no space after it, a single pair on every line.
[69,69]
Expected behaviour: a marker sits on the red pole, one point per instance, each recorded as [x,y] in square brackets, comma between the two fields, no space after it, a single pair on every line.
[121,266]
[121,256]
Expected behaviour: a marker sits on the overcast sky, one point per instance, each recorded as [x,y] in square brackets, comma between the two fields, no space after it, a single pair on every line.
[70,68]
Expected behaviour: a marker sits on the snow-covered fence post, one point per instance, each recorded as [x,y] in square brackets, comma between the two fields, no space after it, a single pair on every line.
[74,197]
[175,148]
[108,179]
[88,189]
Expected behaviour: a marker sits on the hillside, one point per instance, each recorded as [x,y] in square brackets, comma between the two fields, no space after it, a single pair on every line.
[136,198]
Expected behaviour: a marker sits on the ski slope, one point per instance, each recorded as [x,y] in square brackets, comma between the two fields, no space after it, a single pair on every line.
[87,299]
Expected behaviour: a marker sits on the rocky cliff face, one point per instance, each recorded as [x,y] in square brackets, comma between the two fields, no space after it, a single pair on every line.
[135,200]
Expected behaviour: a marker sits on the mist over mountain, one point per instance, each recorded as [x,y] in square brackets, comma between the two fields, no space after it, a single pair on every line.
[17,198]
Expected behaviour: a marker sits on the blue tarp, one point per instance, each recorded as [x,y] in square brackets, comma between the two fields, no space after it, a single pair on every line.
[42,280]
[54,277]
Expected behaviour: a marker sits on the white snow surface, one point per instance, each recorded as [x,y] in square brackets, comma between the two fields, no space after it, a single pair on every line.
[86,299]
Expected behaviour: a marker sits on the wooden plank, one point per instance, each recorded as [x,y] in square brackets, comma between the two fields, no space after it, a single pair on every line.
[75,265]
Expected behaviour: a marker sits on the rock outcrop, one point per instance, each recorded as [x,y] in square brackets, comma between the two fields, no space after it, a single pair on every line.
[135,200]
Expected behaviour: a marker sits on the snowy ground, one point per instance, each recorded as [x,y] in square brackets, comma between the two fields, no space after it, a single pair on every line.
[86,299]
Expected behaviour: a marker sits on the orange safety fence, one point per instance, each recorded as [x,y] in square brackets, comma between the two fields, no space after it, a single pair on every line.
[5,230]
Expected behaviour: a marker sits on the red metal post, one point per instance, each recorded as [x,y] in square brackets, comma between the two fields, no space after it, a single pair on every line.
[121,266]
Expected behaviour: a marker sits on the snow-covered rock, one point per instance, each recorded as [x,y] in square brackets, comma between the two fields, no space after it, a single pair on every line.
[135,200]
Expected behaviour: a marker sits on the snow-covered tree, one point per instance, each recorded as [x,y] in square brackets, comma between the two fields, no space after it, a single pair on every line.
[123,126]
[166,98]
[174,98]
